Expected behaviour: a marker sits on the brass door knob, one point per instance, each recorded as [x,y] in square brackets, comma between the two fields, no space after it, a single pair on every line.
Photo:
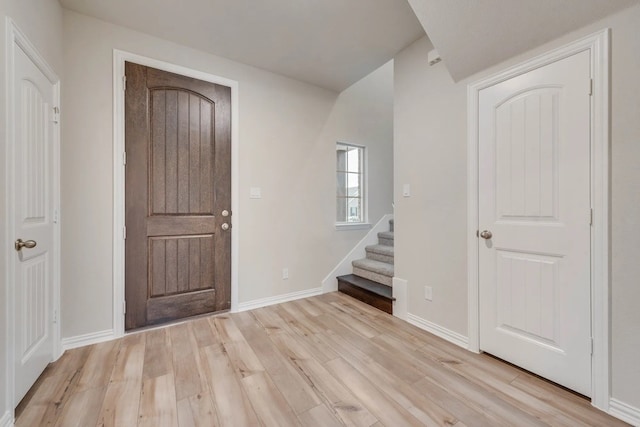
[486,234]
[29,244]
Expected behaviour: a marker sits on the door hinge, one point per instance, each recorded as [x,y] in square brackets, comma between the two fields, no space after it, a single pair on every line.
[124,232]
[124,157]
[55,216]
[55,316]
[124,83]
[56,114]
[592,346]
[124,307]
[590,87]
[591,216]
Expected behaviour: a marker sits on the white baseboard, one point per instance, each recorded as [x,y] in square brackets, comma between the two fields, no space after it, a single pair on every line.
[6,420]
[330,284]
[87,339]
[399,290]
[624,411]
[439,331]
[263,302]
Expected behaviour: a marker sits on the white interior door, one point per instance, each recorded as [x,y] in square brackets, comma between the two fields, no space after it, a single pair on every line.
[33,211]
[534,219]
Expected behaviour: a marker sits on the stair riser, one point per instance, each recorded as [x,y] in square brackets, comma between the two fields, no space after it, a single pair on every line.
[373,300]
[386,242]
[380,257]
[385,280]
[382,268]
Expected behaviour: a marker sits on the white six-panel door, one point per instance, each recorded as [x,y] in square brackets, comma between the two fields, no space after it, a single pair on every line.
[33,211]
[534,210]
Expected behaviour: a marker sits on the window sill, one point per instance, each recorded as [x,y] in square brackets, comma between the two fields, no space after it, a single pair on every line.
[355,226]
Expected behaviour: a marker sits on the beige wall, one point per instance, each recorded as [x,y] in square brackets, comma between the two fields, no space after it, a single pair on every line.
[41,21]
[287,135]
[430,154]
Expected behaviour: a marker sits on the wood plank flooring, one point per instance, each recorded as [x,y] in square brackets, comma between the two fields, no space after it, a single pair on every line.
[329,360]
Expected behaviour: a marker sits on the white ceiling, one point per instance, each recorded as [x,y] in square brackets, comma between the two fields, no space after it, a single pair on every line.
[329,43]
[472,35]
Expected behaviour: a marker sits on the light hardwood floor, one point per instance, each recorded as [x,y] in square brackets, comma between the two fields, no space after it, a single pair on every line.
[324,361]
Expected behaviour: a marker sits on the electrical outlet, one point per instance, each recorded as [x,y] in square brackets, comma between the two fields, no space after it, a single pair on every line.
[285,273]
[428,293]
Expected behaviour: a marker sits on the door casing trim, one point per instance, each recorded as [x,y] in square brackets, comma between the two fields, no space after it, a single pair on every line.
[119,58]
[598,46]
[15,38]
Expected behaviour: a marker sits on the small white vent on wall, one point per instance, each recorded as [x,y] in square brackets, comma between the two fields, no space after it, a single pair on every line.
[433,57]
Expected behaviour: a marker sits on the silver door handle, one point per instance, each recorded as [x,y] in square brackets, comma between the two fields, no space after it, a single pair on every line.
[225,226]
[486,234]
[29,244]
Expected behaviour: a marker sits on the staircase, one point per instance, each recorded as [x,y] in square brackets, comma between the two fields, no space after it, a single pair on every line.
[372,276]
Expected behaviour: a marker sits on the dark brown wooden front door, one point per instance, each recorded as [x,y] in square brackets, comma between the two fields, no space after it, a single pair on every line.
[178,187]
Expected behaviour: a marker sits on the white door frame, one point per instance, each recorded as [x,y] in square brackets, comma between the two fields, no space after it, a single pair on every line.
[119,58]
[598,46]
[16,39]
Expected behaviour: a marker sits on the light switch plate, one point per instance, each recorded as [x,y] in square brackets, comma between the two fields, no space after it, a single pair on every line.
[428,293]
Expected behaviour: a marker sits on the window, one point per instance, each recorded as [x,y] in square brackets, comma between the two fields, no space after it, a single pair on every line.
[350,203]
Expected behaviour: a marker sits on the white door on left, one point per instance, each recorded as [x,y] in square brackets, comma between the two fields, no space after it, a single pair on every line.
[33,215]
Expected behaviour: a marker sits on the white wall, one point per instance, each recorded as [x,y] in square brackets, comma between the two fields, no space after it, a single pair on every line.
[430,154]
[4,243]
[363,115]
[287,135]
[302,236]
[41,21]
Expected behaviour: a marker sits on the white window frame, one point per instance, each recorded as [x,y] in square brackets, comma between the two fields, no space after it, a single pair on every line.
[364,224]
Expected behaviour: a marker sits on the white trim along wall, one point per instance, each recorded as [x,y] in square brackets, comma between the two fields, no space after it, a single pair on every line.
[119,58]
[6,420]
[625,412]
[15,38]
[437,330]
[598,46]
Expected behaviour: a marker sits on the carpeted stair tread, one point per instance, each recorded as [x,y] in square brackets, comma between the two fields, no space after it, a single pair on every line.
[380,249]
[382,253]
[386,235]
[386,238]
[378,267]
